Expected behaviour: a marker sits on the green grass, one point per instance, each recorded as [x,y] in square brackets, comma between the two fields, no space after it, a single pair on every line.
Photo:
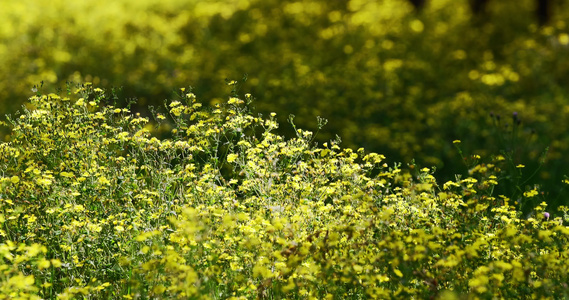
[92,206]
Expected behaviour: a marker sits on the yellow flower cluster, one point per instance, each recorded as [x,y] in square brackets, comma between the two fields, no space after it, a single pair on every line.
[93,206]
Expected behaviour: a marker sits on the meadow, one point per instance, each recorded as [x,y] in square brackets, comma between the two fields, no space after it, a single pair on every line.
[93,206]
[351,149]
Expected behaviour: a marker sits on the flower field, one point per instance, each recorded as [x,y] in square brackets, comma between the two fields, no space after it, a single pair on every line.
[93,206]
[427,158]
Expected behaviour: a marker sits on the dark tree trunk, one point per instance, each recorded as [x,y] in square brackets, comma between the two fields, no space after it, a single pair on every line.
[478,7]
[418,4]
[543,11]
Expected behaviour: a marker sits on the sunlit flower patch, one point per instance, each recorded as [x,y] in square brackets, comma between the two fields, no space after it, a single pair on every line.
[92,205]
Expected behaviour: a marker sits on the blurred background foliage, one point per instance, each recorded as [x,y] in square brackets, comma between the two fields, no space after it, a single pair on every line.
[394,80]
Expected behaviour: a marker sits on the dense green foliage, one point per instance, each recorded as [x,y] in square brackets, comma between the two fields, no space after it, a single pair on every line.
[93,207]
